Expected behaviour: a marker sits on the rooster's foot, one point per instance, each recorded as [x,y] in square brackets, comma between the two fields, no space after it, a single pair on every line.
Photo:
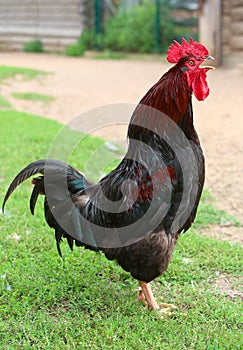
[167,309]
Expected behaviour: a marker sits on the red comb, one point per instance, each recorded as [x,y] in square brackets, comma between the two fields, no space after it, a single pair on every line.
[193,48]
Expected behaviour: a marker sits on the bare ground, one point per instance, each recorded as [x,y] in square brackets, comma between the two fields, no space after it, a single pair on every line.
[81,84]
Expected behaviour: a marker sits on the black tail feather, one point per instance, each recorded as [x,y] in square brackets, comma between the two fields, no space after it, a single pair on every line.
[30,170]
[70,242]
[76,182]
[41,167]
[58,236]
[38,189]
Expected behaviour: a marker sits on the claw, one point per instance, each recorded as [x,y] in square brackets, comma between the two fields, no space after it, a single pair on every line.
[168,306]
[167,310]
[141,296]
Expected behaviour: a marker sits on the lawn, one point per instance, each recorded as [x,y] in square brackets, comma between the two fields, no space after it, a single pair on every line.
[8,72]
[84,301]
[4,103]
[30,96]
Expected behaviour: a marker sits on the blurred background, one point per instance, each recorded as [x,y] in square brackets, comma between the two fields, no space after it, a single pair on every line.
[144,26]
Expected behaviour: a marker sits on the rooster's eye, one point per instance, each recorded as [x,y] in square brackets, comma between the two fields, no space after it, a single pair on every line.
[191,62]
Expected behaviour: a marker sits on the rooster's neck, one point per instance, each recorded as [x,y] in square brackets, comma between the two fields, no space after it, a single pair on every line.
[171,95]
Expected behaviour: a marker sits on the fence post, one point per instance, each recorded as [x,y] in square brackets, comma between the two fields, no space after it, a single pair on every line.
[157,27]
[98,7]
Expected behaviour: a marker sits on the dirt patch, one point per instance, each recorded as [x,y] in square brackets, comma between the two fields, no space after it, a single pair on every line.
[228,286]
[81,84]
[231,233]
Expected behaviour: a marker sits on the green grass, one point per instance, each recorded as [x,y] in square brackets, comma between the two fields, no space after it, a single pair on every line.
[76,50]
[33,46]
[4,103]
[109,55]
[30,96]
[87,302]
[210,214]
[7,72]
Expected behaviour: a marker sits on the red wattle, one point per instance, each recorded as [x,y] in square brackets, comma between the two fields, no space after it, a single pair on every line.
[200,85]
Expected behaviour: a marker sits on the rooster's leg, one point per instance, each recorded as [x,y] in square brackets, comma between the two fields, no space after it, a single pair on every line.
[146,294]
[141,296]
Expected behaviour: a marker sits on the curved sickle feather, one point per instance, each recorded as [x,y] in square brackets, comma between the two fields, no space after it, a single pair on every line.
[30,170]
[38,188]
[39,167]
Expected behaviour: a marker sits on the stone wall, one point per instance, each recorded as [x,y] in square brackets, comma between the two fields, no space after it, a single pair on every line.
[232,32]
[221,30]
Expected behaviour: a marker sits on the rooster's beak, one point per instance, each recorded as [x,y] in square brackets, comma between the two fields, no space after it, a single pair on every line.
[208,58]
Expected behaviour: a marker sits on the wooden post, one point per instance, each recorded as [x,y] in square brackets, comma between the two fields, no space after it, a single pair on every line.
[210,28]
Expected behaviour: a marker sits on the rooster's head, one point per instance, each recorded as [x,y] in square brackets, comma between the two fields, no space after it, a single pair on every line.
[189,57]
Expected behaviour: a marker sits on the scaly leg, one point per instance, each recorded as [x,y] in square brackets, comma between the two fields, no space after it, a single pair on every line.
[146,294]
[141,296]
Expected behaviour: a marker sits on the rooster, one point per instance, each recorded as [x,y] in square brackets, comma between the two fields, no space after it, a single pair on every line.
[136,213]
